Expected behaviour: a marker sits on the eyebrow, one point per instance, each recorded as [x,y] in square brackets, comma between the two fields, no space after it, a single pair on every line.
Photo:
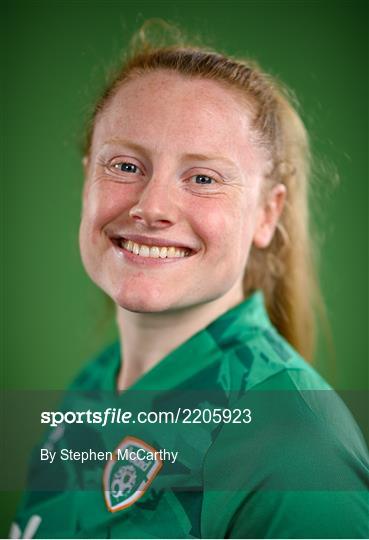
[125,142]
[191,156]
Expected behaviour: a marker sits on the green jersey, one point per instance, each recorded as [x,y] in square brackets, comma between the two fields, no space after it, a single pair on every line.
[231,435]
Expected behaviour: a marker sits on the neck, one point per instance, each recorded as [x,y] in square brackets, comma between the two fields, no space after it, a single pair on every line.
[146,338]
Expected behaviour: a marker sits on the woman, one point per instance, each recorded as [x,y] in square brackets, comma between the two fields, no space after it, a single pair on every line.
[195,224]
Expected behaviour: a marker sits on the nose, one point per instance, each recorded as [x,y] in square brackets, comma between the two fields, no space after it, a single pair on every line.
[156,206]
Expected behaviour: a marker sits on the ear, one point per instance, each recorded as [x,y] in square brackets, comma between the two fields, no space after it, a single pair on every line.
[269,213]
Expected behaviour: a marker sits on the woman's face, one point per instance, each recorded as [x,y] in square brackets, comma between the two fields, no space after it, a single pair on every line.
[171,199]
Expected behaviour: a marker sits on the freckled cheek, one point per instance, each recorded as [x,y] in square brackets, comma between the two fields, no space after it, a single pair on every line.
[221,228]
[107,203]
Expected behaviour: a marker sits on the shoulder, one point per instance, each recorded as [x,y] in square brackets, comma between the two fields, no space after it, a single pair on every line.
[300,398]
[254,355]
[291,404]
[258,369]
[302,449]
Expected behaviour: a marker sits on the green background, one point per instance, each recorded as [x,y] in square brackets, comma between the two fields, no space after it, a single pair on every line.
[55,56]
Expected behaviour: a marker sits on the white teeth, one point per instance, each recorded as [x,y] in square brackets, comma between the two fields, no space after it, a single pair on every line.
[144,251]
[154,251]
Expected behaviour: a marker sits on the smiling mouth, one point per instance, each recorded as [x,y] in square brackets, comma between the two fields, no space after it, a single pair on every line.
[154,252]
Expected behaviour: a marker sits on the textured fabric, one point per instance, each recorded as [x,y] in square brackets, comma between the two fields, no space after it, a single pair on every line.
[299,469]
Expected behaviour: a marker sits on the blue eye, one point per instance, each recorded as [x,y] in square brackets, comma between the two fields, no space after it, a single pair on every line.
[202,179]
[126,167]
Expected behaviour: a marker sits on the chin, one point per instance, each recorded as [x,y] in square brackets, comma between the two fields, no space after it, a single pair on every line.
[143,303]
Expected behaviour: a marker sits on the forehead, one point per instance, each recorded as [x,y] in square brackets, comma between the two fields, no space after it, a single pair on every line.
[163,108]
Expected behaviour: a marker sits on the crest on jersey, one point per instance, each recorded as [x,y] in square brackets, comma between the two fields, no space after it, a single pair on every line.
[128,475]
